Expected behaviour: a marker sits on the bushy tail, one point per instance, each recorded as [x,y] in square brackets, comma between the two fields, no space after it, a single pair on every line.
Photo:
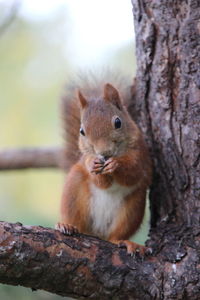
[71,124]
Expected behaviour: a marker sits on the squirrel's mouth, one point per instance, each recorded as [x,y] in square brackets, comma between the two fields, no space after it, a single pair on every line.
[106,158]
[103,158]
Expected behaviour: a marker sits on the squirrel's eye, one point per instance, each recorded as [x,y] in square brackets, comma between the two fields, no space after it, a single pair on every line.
[82,132]
[118,123]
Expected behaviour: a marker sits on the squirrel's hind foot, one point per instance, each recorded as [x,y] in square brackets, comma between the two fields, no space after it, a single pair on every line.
[67,229]
[133,248]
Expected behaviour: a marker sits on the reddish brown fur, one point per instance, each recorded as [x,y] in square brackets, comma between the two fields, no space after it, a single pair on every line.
[75,198]
[70,115]
[130,217]
[128,165]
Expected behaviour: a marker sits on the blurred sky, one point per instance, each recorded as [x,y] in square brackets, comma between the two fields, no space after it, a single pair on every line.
[96,26]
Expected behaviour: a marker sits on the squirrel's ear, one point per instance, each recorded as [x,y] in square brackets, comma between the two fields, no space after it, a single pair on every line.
[111,94]
[82,100]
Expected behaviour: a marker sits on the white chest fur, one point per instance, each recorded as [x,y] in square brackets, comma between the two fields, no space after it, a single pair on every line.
[105,206]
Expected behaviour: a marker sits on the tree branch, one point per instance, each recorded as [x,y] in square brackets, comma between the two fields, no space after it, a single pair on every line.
[24,158]
[80,266]
[86,267]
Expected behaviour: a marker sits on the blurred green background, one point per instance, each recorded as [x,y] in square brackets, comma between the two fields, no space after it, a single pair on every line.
[38,54]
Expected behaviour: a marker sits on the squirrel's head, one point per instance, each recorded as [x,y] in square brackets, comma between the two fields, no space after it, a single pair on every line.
[106,128]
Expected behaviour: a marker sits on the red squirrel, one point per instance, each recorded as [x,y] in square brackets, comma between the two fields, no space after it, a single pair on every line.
[109,167]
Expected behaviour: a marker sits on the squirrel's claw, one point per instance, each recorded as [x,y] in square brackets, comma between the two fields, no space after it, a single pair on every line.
[107,167]
[132,247]
[110,166]
[97,166]
[67,229]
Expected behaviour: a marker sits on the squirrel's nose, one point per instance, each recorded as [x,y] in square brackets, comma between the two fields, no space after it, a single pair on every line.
[104,157]
[104,153]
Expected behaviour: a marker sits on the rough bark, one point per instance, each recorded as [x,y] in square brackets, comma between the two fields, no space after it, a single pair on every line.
[86,267]
[11,159]
[166,103]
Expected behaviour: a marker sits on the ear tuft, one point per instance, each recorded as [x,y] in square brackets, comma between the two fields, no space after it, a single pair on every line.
[82,100]
[111,94]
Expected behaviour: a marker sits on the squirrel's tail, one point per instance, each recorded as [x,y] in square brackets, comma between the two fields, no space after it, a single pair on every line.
[70,114]
[91,85]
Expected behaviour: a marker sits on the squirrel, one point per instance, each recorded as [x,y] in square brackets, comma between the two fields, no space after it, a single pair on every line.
[109,166]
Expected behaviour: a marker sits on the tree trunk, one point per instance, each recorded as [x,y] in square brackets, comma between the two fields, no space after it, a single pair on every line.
[166,105]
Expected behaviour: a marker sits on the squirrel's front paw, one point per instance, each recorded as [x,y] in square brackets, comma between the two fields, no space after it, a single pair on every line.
[67,229]
[110,166]
[97,166]
[104,167]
